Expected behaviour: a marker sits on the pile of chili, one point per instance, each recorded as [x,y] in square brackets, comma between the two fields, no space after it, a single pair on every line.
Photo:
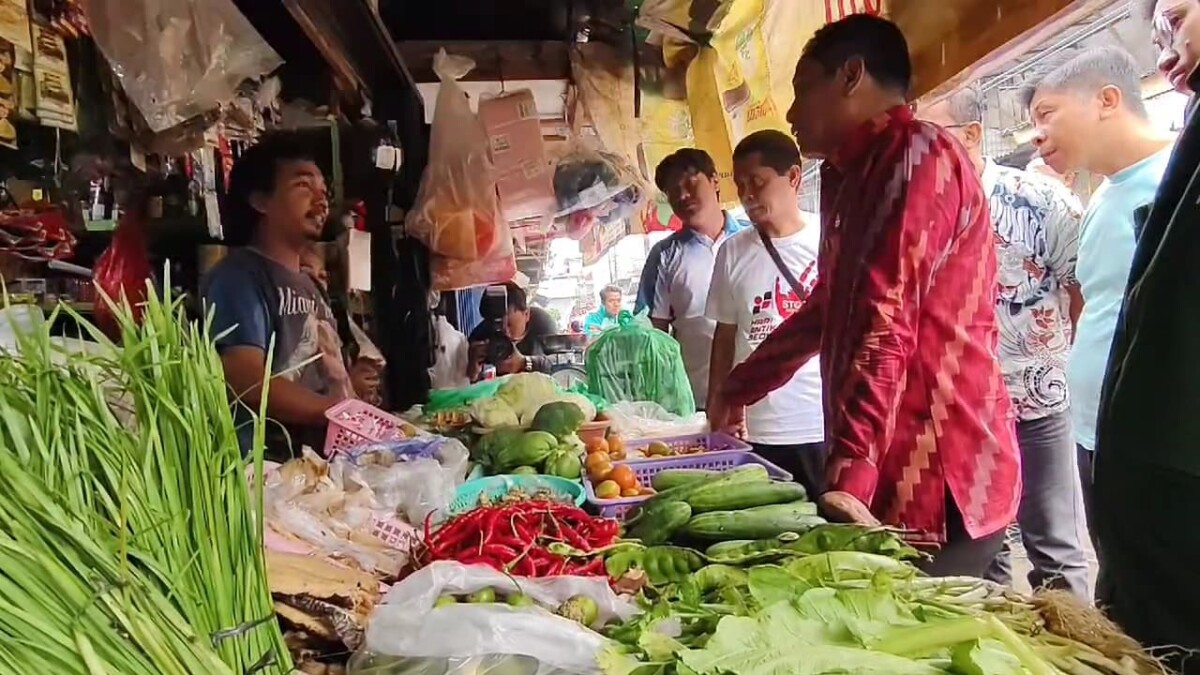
[515,538]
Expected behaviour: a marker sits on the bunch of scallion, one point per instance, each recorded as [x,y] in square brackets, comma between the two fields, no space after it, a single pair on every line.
[129,540]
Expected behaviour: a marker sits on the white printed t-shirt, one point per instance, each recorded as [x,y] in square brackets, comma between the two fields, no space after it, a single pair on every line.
[749,292]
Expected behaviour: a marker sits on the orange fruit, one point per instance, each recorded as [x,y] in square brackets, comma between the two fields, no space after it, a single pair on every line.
[598,466]
[615,444]
[608,490]
[631,492]
[624,476]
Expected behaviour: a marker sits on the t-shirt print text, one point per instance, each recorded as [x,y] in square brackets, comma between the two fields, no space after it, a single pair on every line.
[292,303]
[775,305]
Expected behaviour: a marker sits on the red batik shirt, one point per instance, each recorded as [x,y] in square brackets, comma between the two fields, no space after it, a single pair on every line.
[903,316]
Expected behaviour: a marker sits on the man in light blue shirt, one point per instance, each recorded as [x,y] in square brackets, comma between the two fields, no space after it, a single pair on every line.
[678,271]
[1089,116]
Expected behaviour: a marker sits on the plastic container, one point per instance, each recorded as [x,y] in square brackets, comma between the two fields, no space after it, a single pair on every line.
[468,495]
[646,470]
[712,442]
[593,431]
[353,423]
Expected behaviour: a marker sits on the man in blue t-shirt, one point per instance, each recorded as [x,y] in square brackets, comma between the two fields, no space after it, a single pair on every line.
[1089,116]
[262,301]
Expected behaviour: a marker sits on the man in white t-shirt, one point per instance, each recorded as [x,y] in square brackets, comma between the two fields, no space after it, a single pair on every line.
[675,280]
[763,275]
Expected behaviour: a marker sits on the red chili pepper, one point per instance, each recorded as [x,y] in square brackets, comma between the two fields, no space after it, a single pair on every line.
[500,552]
[524,568]
[593,568]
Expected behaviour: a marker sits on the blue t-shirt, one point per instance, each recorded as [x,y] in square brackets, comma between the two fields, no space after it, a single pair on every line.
[1106,244]
[254,298]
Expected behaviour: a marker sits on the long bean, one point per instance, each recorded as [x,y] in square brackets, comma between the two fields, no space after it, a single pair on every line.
[154,537]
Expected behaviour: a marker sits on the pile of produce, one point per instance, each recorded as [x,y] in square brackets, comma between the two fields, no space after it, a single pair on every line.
[578,608]
[128,540]
[850,611]
[693,505]
[549,446]
[531,538]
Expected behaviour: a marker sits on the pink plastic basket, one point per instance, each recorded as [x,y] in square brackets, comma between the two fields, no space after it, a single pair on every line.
[353,423]
[646,470]
[711,442]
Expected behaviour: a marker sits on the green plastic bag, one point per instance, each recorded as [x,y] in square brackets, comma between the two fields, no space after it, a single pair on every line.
[452,399]
[637,362]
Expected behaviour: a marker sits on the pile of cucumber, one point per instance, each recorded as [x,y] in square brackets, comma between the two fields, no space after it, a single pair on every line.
[694,506]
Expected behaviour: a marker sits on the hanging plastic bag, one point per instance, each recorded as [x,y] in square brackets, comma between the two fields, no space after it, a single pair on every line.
[637,362]
[178,59]
[407,624]
[122,272]
[498,267]
[457,214]
[587,178]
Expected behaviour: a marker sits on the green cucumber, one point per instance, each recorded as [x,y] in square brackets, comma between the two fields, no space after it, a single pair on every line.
[744,474]
[750,495]
[657,526]
[763,522]
[671,478]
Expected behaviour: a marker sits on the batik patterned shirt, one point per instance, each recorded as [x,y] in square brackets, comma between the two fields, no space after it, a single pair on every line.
[1037,242]
[903,316]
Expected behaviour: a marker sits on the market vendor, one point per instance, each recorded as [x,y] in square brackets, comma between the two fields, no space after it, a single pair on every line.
[605,316]
[276,208]
[526,326]
[920,432]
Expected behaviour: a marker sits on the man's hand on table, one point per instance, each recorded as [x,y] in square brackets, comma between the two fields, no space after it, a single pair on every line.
[844,507]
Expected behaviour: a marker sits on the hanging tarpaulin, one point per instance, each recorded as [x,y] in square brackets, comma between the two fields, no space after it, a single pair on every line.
[721,76]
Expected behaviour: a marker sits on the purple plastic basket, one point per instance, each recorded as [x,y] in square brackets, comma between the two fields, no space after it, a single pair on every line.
[712,442]
[646,469]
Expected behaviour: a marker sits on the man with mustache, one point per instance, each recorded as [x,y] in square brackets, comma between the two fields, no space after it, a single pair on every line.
[919,426]
[1089,116]
[264,303]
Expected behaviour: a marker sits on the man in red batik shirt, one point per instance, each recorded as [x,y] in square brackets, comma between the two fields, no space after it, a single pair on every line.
[919,423]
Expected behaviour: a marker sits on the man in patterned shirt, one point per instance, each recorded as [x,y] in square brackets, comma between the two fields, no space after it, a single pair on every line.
[919,425]
[1036,221]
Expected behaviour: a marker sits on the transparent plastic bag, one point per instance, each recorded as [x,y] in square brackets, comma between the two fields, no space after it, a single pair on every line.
[366,663]
[637,362]
[643,419]
[406,623]
[457,213]
[178,59]
[421,478]
[586,178]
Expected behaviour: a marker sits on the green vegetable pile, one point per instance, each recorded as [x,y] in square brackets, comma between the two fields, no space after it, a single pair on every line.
[845,599]
[128,540]
[693,505]
[550,446]
[578,608]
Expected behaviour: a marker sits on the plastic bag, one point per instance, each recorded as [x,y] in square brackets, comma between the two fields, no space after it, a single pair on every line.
[422,479]
[587,178]
[177,59]
[366,663]
[498,267]
[637,362]
[407,624]
[457,214]
[643,419]
[122,271]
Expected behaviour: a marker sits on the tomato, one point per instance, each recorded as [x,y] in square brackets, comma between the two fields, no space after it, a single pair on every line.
[608,490]
[597,445]
[631,492]
[615,444]
[616,453]
[598,466]
[624,476]
[647,491]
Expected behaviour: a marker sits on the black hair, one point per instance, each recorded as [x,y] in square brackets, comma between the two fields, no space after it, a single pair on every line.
[682,161]
[256,172]
[877,41]
[774,148]
[1091,70]
[517,300]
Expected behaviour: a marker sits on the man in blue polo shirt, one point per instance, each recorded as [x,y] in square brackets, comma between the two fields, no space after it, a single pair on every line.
[678,271]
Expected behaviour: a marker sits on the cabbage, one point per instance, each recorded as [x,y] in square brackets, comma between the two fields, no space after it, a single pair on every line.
[493,413]
[526,392]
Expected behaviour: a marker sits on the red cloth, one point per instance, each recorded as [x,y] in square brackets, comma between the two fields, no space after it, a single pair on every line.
[903,316]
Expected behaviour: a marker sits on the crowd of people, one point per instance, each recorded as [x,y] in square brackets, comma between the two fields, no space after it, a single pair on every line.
[951,347]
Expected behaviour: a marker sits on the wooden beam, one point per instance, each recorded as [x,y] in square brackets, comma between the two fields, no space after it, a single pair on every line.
[966,39]
[494,61]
